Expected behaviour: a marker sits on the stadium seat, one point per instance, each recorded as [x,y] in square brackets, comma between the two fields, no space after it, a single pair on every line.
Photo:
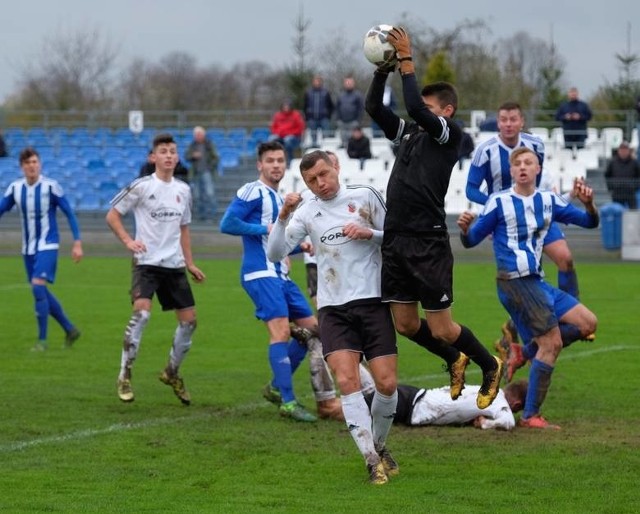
[229,158]
[88,201]
[260,134]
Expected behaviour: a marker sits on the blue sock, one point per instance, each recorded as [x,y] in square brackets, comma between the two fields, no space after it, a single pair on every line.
[42,309]
[569,333]
[529,350]
[568,282]
[297,353]
[55,309]
[539,381]
[281,367]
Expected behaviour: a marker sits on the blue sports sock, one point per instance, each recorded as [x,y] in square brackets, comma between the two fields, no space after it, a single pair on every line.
[568,282]
[539,381]
[55,309]
[42,309]
[569,333]
[297,353]
[529,350]
[281,367]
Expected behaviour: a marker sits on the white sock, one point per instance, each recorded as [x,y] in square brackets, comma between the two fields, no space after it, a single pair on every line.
[367,383]
[358,419]
[131,343]
[383,410]
[181,344]
[321,379]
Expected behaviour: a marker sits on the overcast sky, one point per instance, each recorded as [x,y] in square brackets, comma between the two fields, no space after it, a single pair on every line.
[228,31]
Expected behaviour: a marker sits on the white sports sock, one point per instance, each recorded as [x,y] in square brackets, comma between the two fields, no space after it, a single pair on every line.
[131,343]
[181,344]
[367,383]
[383,410]
[358,419]
[321,379]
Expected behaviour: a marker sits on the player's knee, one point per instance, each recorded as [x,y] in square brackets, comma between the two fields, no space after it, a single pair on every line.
[347,383]
[387,385]
[407,328]
[589,325]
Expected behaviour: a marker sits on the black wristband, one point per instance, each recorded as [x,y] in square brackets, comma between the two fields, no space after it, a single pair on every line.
[402,59]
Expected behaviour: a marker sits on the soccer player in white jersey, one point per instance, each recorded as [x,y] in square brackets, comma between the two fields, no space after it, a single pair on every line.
[345,225]
[519,219]
[161,249]
[277,298]
[37,199]
[420,407]
[490,165]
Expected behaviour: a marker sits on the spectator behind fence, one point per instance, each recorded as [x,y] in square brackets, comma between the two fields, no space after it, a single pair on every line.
[638,122]
[287,127]
[318,108]
[203,158]
[359,146]
[3,147]
[623,176]
[349,109]
[574,115]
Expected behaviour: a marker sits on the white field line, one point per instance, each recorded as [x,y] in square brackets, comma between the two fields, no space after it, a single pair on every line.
[123,427]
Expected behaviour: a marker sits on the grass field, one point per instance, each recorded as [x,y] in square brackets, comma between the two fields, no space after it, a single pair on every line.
[68,445]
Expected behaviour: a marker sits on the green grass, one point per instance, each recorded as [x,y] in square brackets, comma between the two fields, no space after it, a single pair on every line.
[68,445]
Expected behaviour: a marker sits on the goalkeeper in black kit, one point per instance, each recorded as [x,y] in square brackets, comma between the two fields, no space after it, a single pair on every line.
[417,263]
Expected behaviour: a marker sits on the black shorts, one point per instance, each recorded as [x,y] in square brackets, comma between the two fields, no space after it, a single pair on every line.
[312,279]
[170,284]
[418,269]
[366,328]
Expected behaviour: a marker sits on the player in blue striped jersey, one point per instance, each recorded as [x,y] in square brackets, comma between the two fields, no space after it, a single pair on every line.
[490,165]
[276,297]
[37,199]
[519,219]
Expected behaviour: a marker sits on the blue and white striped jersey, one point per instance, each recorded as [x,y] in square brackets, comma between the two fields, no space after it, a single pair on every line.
[519,225]
[37,204]
[255,206]
[490,164]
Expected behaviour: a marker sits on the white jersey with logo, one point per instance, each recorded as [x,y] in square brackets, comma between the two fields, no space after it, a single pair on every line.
[160,208]
[436,407]
[348,269]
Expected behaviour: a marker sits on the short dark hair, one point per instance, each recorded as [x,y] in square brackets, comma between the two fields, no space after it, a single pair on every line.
[27,153]
[445,92]
[163,139]
[310,159]
[269,146]
[510,106]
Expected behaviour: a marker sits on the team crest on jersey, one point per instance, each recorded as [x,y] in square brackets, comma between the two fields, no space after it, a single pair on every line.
[178,198]
[351,207]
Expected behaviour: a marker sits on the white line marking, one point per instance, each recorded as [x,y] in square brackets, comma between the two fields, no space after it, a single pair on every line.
[122,427]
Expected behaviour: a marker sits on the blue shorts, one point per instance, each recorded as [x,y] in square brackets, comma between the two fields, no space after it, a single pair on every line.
[554,234]
[42,265]
[534,305]
[277,298]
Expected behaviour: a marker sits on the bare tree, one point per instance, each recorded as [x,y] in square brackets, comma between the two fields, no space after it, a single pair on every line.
[74,70]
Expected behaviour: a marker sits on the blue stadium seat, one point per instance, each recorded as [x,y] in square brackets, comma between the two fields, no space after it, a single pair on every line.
[88,201]
[229,158]
[260,134]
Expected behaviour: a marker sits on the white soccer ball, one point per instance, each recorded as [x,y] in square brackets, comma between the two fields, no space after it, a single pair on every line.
[376,48]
